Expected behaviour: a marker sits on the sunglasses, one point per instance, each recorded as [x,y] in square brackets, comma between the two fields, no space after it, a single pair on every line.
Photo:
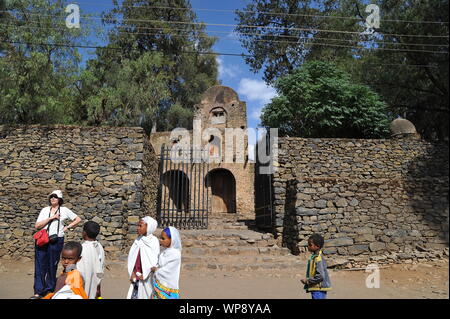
[53,196]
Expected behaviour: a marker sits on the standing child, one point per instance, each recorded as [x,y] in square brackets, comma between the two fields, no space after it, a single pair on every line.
[167,274]
[142,257]
[91,265]
[69,284]
[317,281]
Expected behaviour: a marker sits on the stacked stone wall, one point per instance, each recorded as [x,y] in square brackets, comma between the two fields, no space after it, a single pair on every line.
[366,197]
[106,175]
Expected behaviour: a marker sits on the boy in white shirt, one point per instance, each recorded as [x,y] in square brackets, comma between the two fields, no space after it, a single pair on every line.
[91,265]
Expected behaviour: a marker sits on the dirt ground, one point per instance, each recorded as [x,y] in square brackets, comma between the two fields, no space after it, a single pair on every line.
[410,281]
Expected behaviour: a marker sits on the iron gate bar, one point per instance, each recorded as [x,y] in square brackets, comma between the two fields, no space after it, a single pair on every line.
[183,195]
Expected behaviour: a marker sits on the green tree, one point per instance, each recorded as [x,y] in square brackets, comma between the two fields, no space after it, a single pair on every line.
[320,100]
[405,61]
[36,76]
[413,82]
[142,26]
[125,94]
[280,35]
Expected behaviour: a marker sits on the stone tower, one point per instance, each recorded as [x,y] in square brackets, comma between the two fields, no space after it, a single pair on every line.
[224,119]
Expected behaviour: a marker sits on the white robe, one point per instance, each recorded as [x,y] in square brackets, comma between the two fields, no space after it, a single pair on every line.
[149,249]
[91,266]
[66,293]
[169,264]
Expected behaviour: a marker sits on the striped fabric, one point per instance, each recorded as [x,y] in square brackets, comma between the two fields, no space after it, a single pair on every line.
[162,292]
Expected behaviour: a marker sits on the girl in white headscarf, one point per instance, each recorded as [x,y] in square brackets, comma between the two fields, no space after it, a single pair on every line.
[167,274]
[143,256]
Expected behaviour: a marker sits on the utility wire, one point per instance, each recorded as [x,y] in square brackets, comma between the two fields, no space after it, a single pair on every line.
[115,21]
[184,51]
[249,34]
[235,54]
[116,48]
[269,13]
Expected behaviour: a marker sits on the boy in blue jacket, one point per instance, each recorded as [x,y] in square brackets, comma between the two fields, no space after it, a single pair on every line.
[317,281]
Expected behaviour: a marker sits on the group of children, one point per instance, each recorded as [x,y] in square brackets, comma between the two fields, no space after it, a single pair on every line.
[153,265]
[154,272]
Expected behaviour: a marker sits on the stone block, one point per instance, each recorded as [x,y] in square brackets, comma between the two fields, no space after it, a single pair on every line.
[301,211]
[342,202]
[357,249]
[320,203]
[338,242]
[377,246]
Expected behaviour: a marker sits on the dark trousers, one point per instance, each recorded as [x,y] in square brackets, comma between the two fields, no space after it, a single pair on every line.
[46,261]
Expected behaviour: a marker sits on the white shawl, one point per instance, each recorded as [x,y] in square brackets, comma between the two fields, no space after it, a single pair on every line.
[168,272]
[91,266]
[66,293]
[149,250]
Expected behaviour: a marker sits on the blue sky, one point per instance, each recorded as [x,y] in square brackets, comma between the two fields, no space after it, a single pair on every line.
[233,71]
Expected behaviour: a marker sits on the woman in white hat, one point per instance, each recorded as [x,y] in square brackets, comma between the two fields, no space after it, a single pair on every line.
[46,258]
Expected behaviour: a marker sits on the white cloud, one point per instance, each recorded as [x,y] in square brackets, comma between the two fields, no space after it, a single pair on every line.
[227,71]
[256,113]
[256,91]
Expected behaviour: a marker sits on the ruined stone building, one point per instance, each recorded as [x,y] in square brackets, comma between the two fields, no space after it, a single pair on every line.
[221,185]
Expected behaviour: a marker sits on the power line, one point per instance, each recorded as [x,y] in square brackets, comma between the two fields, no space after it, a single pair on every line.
[274,13]
[333,45]
[115,21]
[251,34]
[183,51]
[115,48]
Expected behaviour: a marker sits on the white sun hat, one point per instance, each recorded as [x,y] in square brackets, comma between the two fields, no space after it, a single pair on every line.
[57,193]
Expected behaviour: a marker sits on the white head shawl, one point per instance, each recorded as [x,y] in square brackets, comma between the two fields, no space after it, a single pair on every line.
[151,225]
[148,246]
[176,238]
[168,273]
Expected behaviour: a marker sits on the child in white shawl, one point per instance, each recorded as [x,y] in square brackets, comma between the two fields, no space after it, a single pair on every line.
[91,266]
[142,257]
[167,274]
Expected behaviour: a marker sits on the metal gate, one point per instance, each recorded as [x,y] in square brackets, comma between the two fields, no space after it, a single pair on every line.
[183,195]
[264,211]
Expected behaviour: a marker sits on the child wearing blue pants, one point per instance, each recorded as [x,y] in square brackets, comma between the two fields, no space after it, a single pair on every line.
[317,281]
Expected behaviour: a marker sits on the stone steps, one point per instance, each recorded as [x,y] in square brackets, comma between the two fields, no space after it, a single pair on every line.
[247,251]
[230,244]
[242,263]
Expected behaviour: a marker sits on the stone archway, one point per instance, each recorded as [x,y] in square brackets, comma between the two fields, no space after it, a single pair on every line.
[176,189]
[222,186]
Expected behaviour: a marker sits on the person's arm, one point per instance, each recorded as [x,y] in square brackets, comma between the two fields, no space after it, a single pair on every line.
[75,220]
[73,224]
[41,224]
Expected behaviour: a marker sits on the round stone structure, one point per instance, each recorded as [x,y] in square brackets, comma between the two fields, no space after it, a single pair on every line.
[401,127]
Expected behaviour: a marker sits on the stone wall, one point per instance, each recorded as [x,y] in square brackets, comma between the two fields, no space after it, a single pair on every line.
[105,174]
[364,196]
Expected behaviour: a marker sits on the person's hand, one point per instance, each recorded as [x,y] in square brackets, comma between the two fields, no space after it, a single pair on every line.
[133,278]
[65,229]
[304,281]
[154,269]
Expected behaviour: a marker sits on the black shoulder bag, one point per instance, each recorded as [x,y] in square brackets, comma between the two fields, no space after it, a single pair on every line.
[53,238]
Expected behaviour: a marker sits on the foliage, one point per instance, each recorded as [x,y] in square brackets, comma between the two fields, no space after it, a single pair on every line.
[394,62]
[36,79]
[320,100]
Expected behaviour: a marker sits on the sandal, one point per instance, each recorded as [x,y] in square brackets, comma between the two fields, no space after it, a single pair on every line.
[36,297]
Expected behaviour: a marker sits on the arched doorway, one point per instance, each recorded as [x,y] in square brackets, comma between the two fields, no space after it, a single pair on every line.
[223,191]
[176,190]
